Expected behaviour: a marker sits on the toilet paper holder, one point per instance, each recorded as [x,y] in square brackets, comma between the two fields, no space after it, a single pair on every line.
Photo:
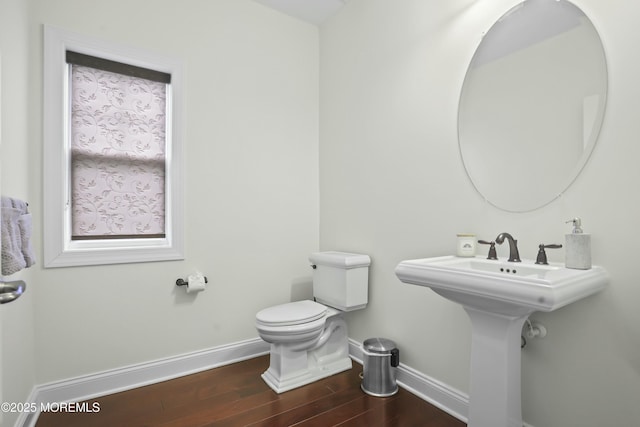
[182,282]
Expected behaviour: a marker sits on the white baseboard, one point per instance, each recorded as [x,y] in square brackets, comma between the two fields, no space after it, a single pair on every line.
[91,386]
[448,399]
[127,378]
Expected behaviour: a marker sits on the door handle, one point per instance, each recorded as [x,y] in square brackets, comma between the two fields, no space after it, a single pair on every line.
[10,291]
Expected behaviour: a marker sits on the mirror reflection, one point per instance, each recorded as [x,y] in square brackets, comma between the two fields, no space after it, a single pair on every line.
[532,104]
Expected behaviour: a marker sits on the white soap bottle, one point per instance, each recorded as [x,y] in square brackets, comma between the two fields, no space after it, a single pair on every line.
[577,247]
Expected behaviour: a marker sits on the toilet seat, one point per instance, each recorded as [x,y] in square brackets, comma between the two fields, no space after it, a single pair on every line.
[291,314]
[294,322]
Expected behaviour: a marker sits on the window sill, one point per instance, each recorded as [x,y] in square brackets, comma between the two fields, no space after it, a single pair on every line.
[125,251]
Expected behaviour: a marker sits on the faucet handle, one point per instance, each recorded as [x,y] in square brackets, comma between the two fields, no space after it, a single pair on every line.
[542,255]
[492,249]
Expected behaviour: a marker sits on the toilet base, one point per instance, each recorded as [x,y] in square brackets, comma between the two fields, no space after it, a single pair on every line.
[296,364]
[280,385]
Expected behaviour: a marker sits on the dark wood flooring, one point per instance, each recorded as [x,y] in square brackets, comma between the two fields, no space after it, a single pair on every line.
[235,395]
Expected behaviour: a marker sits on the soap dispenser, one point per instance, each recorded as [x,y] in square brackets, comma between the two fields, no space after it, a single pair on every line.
[577,247]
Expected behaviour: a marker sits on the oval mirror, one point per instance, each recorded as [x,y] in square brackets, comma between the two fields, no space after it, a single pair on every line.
[532,104]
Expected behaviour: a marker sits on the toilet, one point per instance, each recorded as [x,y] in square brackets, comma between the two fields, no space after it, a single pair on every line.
[309,339]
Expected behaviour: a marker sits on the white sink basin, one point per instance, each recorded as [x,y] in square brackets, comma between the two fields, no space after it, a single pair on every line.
[499,296]
[502,287]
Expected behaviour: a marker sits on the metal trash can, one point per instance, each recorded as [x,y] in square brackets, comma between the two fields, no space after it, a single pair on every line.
[380,358]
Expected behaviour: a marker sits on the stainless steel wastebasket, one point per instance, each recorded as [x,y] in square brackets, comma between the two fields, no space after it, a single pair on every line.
[380,359]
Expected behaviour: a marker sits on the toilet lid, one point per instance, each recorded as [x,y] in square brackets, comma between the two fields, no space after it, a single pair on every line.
[293,313]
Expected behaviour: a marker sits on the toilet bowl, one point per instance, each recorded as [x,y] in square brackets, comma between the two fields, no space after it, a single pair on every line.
[305,347]
[309,339]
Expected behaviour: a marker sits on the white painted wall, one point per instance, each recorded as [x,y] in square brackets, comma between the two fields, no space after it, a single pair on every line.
[17,358]
[393,186]
[251,148]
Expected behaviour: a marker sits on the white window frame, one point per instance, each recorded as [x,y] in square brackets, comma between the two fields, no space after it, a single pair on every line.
[59,249]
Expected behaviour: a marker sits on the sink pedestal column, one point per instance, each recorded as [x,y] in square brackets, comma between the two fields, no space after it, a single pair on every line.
[494,395]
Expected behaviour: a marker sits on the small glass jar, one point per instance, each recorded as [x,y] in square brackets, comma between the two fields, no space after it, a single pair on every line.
[466,245]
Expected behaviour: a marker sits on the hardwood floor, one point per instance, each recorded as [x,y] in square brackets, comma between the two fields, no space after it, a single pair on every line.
[235,395]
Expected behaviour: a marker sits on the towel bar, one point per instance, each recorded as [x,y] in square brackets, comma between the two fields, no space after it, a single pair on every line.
[10,291]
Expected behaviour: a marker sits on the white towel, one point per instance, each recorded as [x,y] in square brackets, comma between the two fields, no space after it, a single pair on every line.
[17,252]
[25,226]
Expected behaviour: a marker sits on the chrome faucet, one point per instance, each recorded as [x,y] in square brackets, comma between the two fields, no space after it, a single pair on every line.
[514,255]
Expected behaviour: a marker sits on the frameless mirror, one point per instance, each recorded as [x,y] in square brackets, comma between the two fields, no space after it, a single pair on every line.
[532,104]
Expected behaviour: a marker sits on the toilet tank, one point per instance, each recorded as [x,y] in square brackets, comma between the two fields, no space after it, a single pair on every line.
[341,279]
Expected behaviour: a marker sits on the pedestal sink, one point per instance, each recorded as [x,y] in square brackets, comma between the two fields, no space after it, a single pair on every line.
[499,296]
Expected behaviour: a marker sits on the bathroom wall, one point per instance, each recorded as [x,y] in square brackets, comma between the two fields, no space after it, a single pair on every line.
[251,205]
[392,185]
[17,351]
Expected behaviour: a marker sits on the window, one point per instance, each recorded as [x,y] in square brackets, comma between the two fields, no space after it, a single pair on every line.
[118,146]
[112,153]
